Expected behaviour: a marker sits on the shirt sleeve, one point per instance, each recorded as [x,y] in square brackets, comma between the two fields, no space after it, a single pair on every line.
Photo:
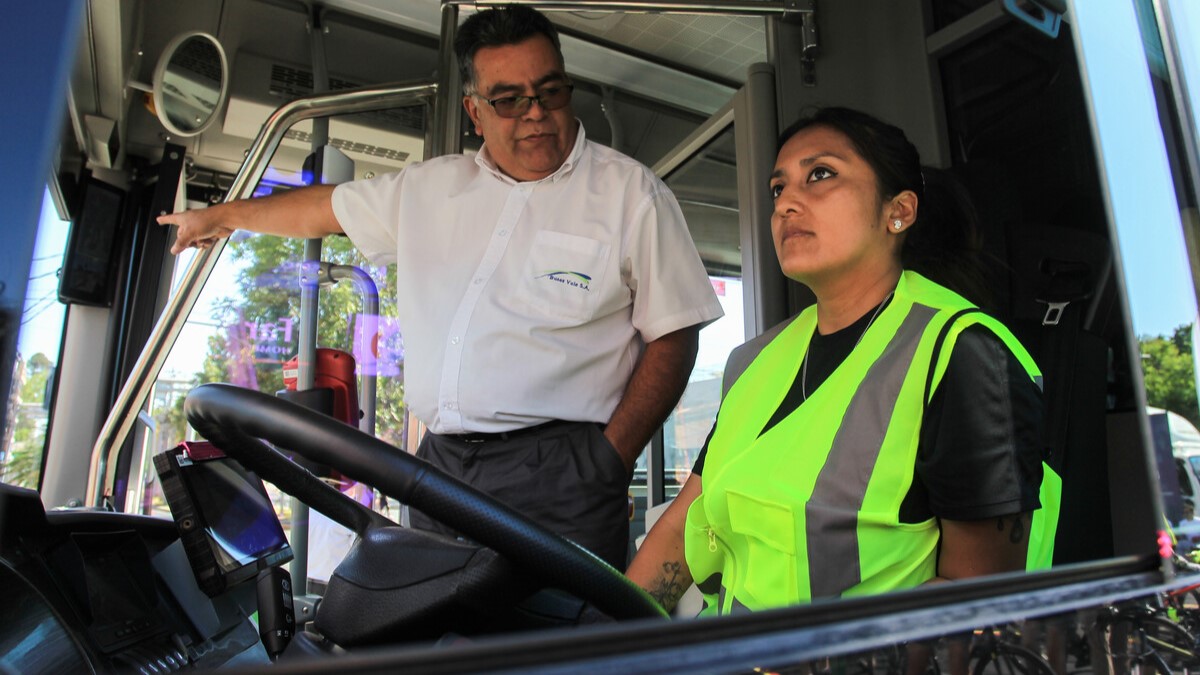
[671,289]
[981,446]
[367,211]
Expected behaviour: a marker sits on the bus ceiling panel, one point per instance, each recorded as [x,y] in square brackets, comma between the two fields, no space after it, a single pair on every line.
[690,63]
[987,18]
[875,59]
[385,140]
[271,67]
[736,43]
[645,79]
[133,44]
[98,76]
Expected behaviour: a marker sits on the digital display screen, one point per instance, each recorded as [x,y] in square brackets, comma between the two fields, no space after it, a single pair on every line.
[239,518]
[87,274]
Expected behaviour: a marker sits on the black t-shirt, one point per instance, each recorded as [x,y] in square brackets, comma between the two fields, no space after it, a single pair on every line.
[980,451]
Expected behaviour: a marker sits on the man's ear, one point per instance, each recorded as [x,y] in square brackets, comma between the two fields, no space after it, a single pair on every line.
[473,112]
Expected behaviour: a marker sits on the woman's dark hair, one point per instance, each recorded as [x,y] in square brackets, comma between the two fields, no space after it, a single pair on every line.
[943,244]
[507,25]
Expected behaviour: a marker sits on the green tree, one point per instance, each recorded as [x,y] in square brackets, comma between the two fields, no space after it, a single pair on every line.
[1169,373]
[23,465]
[38,372]
[268,307]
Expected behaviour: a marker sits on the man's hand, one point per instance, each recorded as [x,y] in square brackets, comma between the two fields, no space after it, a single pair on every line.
[305,212]
[199,228]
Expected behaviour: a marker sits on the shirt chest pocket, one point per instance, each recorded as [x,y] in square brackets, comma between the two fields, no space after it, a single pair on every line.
[563,275]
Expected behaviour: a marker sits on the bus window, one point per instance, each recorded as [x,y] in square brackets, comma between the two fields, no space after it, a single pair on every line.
[706,186]
[37,357]
[247,323]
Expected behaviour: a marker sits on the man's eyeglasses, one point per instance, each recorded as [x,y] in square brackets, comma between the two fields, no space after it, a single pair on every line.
[550,98]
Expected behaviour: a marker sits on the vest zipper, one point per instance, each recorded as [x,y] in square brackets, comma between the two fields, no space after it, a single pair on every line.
[724,594]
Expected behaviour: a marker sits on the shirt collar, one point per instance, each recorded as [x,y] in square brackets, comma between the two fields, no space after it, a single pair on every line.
[484,159]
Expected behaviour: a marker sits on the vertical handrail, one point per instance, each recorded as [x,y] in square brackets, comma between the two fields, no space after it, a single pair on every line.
[445,138]
[143,458]
[367,359]
[764,298]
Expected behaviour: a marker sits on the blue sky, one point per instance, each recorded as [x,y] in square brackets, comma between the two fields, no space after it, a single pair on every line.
[41,323]
[1158,311]
[1161,286]
[1164,311]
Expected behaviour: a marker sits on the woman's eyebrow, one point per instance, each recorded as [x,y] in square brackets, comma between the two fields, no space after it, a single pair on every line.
[813,159]
[809,161]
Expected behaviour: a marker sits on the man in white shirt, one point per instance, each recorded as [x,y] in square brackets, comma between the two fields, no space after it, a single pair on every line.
[550,295]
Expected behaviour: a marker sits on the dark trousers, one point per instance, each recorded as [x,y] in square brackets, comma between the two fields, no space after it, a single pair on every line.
[564,476]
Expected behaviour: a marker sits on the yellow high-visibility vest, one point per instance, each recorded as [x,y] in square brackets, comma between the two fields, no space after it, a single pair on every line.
[811,508]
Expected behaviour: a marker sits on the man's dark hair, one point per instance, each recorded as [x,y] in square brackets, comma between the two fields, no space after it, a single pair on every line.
[506,25]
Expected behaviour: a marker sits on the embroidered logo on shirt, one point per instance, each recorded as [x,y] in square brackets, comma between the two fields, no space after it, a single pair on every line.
[568,278]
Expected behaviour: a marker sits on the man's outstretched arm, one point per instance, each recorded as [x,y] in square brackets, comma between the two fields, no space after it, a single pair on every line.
[305,213]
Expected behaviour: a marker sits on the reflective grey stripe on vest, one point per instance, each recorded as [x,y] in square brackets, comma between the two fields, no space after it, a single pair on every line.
[831,514]
[737,607]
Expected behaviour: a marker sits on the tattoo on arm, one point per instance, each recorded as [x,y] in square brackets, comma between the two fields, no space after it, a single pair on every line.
[1017,534]
[667,588]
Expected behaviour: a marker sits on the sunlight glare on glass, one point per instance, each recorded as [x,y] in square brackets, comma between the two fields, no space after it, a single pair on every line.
[42,318]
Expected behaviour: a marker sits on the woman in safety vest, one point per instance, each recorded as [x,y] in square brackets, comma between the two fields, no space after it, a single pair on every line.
[886,437]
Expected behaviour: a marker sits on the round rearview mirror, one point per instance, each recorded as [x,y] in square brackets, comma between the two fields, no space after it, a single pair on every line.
[191,82]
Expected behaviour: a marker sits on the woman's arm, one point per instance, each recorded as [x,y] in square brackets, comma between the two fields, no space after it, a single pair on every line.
[972,548]
[659,566]
[980,457]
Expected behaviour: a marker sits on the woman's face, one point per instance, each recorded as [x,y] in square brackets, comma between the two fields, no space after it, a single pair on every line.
[829,222]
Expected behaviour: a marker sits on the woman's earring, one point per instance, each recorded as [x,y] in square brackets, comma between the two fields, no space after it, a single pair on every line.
[897,224]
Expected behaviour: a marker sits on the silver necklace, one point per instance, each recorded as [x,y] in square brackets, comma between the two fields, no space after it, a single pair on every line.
[804,368]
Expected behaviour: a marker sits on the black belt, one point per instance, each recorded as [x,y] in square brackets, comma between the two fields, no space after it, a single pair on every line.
[484,437]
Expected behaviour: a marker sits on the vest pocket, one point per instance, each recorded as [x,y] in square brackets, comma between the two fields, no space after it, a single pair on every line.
[769,530]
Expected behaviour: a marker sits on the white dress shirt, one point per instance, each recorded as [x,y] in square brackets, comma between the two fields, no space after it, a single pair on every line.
[523,302]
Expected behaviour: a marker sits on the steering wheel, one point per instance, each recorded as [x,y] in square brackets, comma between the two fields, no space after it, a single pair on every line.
[234,418]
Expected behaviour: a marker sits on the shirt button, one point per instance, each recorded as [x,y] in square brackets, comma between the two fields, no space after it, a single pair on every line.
[478,281]
[449,406]
[503,233]
[454,340]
